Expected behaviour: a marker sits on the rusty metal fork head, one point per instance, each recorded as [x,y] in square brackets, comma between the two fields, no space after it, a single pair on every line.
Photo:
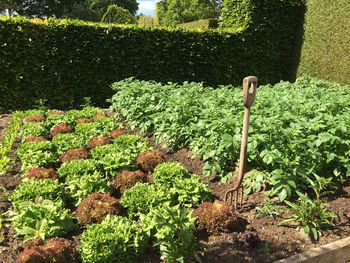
[232,195]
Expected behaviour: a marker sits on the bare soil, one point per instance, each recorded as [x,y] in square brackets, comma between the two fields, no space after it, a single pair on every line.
[276,242]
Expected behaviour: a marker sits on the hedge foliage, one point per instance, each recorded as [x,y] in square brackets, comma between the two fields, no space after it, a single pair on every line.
[200,24]
[63,61]
[326,48]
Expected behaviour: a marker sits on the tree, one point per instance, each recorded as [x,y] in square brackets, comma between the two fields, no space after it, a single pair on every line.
[145,20]
[173,12]
[116,14]
[42,8]
[100,6]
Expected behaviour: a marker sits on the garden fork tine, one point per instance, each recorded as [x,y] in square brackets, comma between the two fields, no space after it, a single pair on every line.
[249,90]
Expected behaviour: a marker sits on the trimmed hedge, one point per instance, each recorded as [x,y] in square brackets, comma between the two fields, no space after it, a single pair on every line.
[63,61]
[278,29]
[326,48]
[200,24]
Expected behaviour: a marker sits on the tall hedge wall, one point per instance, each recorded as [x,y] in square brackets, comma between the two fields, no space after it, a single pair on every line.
[326,48]
[62,61]
[277,26]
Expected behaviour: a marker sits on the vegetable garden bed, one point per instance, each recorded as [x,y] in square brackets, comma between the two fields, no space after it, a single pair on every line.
[138,165]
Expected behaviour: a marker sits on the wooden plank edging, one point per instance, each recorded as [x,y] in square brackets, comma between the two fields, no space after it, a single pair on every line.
[335,252]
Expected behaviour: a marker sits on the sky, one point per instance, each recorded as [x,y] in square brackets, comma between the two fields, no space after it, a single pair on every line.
[146,7]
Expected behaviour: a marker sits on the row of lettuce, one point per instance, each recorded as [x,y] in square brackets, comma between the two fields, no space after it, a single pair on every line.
[298,132]
[84,172]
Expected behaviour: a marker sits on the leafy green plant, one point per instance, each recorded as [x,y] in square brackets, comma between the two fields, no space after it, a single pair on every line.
[66,141]
[268,208]
[77,168]
[86,112]
[55,117]
[190,192]
[116,239]
[28,190]
[121,155]
[79,186]
[42,218]
[216,217]
[255,181]
[8,139]
[172,229]
[95,207]
[34,112]
[318,185]
[34,129]
[36,154]
[209,122]
[140,198]
[54,250]
[312,215]
[166,173]
[127,179]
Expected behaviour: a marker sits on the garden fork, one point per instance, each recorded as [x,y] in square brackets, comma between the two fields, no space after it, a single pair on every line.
[249,90]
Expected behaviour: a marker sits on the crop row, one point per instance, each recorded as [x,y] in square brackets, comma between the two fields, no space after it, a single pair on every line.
[83,172]
[299,132]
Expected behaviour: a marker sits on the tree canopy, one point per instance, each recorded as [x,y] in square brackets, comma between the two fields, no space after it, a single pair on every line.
[173,12]
[116,14]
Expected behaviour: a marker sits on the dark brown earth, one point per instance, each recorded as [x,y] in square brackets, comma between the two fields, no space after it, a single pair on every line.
[276,241]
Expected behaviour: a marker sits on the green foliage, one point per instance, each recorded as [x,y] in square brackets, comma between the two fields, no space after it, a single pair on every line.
[121,155]
[140,198]
[173,12]
[255,181]
[101,126]
[34,129]
[278,23]
[116,240]
[66,141]
[119,15]
[190,191]
[77,168]
[101,6]
[268,208]
[326,38]
[167,173]
[86,112]
[203,24]
[44,219]
[312,215]
[55,54]
[172,229]
[42,8]
[6,142]
[34,112]
[36,154]
[79,186]
[30,189]
[145,20]
[311,115]
[52,119]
